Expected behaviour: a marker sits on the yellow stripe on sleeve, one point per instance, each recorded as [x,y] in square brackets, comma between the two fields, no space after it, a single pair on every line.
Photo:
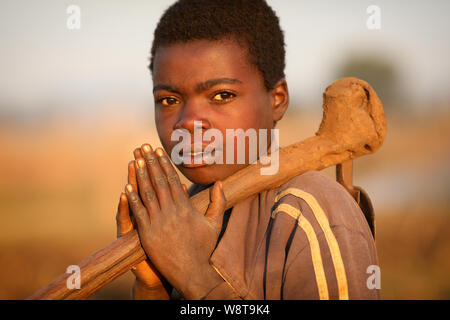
[329,236]
[313,244]
[286,208]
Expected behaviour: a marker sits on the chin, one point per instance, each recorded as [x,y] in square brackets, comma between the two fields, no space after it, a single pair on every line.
[209,174]
[201,175]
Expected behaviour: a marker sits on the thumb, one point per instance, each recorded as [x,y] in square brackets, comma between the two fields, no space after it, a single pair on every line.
[123,219]
[216,207]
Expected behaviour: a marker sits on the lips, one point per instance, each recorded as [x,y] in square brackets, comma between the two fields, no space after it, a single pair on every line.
[197,156]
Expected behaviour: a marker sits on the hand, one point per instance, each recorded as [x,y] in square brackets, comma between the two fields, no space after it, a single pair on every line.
[175,236]
[147,277]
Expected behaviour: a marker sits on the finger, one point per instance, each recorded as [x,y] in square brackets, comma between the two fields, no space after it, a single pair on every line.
[137,154]
[139,211]
[158,177]
[147,273]
[146,190]
[217,205]
[123,219]
[175,186]
[132,175]
[186,190]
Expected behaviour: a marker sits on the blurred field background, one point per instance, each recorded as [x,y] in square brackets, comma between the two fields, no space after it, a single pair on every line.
[74,104]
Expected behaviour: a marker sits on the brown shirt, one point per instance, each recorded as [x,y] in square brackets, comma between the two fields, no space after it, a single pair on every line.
[307,239]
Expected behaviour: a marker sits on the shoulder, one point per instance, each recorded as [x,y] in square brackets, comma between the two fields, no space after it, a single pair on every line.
[333,245]
[319,193]
[313,182]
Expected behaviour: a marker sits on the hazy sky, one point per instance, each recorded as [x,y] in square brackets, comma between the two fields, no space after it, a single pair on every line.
[42,60]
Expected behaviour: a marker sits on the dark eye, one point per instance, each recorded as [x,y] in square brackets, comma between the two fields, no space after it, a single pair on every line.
[168,101]
[223,96]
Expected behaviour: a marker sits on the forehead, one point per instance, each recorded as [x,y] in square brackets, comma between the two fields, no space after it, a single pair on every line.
[201,60]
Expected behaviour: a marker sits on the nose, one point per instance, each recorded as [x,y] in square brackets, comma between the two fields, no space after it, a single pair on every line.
[193,116]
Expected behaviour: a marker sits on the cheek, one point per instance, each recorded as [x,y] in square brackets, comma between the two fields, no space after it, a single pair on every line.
[256,113]
[164,129]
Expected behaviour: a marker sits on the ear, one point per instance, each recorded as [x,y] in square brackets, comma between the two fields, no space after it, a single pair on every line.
[280,100]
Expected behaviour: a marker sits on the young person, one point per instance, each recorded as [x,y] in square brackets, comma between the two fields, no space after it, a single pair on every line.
[220,65]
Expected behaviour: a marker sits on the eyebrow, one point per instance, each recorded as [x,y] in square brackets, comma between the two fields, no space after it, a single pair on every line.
[202,86]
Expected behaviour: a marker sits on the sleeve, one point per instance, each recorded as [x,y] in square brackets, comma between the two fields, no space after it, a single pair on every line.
[222,292]
[322,281]
[330,247]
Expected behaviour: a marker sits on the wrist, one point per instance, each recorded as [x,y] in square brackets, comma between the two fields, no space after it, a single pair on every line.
[203,282]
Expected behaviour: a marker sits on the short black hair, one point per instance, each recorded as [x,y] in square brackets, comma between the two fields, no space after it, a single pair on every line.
[252,23]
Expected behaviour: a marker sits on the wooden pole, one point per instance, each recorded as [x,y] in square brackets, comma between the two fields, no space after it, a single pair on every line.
[353,125]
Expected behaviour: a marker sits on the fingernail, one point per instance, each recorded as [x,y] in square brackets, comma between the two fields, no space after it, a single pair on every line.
[129,188]
[146,148]
[140,163]
[159,152]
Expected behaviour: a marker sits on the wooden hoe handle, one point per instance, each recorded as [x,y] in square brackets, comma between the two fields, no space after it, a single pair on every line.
[353,125]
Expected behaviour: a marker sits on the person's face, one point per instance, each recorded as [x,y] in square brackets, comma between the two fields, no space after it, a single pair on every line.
[212,82]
